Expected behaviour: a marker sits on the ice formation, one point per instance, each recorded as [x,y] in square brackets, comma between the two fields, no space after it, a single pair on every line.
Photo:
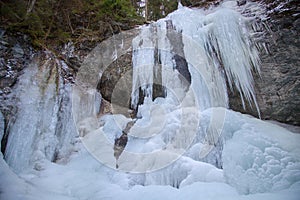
[43,127]
[214,45]
[262,157]
[188,145]
[271,173]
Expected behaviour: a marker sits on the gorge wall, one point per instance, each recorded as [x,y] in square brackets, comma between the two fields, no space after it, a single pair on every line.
[278,87]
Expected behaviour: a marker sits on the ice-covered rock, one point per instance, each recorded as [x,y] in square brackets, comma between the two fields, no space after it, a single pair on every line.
[215,45]
[43,127]
[261,157]
[1,127]
[171,137]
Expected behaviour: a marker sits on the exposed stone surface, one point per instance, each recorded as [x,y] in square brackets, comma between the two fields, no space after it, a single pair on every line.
[278,89]
[15,54]
[116,85]
[113,73]
[116,81]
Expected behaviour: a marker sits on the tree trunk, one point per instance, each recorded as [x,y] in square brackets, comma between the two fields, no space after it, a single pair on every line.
[146,10]
[30,6]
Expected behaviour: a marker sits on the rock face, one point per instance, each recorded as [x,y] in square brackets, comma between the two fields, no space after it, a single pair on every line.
[42,126]
[113,74]
[15,53]
[115,85]
[35,104]
[278,88]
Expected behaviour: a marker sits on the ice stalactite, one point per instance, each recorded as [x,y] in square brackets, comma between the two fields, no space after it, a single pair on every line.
[156,62]
[201,54]
[216,46]
[144,61]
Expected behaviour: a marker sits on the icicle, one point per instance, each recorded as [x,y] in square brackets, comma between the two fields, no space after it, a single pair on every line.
[237,53]
[179,5]
[143,63]
[215,45]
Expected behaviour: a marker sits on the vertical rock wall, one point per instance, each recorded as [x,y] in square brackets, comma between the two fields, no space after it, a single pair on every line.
[278,88]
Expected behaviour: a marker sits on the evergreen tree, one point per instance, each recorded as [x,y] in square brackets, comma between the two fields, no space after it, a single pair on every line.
[155,9]
[62,20]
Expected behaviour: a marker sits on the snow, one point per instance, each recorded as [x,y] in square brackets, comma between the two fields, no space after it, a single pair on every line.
[260,161]
[216,43]
[263,157]
[84,177]
[188,145]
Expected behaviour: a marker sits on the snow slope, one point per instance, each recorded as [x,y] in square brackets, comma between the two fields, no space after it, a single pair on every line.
[260,160]
[181,147]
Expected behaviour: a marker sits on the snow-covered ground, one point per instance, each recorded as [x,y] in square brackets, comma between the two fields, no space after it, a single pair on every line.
[185,146]
[260,161]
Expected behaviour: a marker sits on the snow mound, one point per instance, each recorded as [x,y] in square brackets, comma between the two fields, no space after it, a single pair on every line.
[184,172]
[261,157]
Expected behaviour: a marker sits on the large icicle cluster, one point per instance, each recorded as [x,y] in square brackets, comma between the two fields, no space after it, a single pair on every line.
[167,142]
[215,44]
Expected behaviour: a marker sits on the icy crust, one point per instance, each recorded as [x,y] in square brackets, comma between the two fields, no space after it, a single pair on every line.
[257,157]
[184,172]
[260,160]
[261,157]
[13,187]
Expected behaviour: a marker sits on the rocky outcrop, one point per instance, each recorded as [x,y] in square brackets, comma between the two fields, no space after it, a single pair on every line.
[16,52]
[278,87]
[35,89]
[113,73]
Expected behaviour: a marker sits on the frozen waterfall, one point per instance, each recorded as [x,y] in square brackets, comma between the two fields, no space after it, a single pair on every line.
[195,55]
[43,128]
[184,143]
[216,47]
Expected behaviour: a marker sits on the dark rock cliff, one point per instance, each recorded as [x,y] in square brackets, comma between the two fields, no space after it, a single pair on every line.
[278,88]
